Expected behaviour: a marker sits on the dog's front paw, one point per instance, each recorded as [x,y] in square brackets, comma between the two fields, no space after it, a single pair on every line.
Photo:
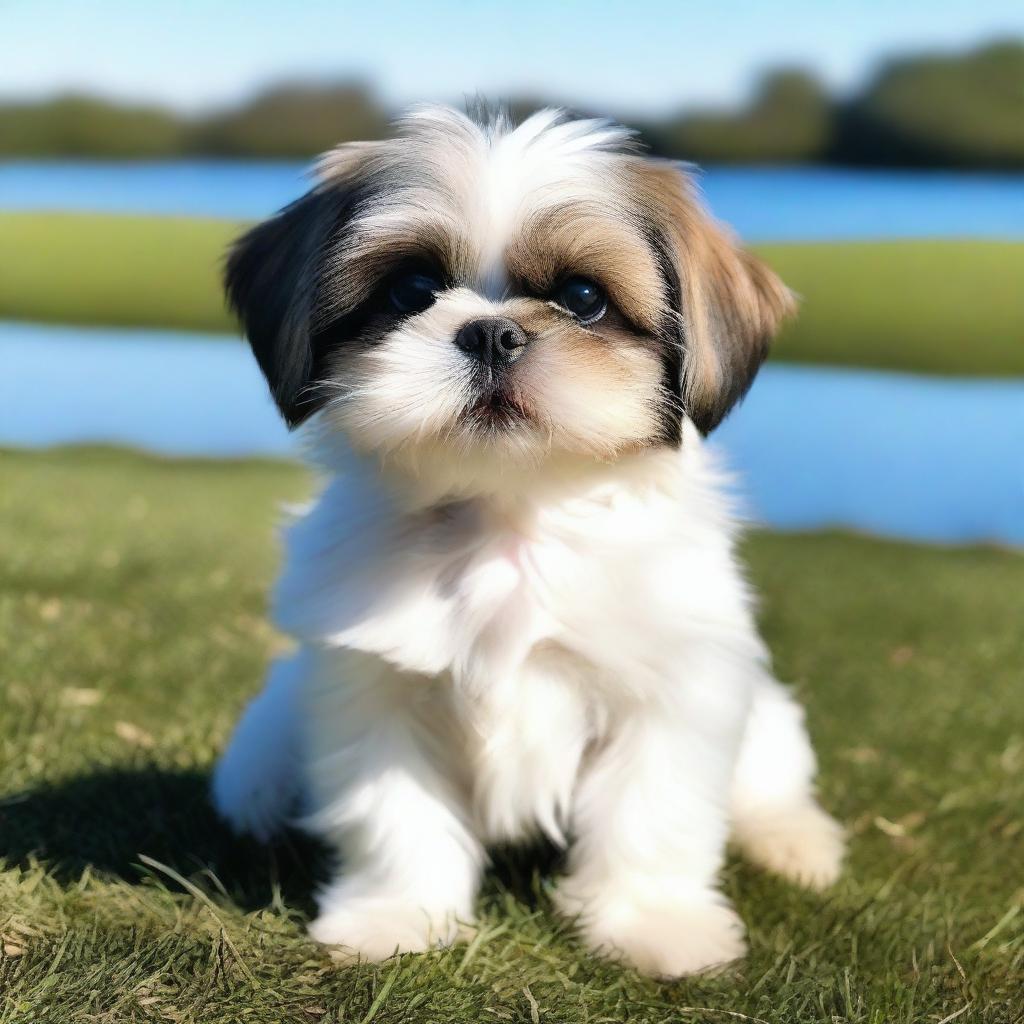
[801,843]
[372,930]
[256,783]
[252,797]
[668,938]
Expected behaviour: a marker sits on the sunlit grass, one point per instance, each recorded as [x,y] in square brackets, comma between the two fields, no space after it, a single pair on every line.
[930,306]
[85,268]
[940,306]
[132,629]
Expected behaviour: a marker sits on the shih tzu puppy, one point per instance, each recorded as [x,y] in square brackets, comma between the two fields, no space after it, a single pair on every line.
[515,602]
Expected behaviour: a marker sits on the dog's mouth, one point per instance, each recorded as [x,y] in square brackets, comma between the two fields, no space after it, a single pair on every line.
[496,409]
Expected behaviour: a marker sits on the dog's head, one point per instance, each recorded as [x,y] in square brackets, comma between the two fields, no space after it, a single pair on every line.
[470,287]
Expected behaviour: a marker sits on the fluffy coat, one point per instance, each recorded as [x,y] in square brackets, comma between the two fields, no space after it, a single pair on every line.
[528,619]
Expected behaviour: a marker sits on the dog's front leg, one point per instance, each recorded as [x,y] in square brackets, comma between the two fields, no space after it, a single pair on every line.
[387,796]
[256,784]
[651,822]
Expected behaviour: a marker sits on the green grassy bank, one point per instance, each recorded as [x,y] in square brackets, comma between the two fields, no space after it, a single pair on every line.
[954,307]
[132,630]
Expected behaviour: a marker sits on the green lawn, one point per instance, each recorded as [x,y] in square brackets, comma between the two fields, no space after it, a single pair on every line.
[85,268]
[932,306]
[132,596]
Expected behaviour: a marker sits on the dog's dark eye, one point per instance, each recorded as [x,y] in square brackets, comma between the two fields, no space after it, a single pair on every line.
[413,292]
[584,298]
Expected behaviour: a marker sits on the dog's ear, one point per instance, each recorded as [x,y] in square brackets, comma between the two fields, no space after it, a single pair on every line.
[727,304]
[273,280]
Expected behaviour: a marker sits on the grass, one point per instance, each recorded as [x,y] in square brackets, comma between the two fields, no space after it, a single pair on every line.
[113,270]
[949,307]
[132,630]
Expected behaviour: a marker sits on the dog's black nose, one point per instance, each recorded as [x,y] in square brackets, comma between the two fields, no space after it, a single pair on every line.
[492,339]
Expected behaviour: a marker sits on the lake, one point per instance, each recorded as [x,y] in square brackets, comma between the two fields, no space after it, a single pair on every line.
[762,203]
[921,458]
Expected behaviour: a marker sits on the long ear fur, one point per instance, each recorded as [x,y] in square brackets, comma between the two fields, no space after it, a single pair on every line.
[730,304]
[272,279]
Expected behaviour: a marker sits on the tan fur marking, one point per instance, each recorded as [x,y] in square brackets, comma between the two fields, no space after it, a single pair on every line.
[732,304]
[598,242]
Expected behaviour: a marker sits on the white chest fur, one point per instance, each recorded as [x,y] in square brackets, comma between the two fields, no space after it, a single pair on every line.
[472,669]
[623,570]
[543,614]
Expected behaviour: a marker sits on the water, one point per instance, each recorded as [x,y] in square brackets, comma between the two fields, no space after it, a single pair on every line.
[762,203]
[922,457]
[164,391]
[914,457]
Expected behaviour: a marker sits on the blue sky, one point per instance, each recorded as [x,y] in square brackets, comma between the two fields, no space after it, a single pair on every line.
[623,57]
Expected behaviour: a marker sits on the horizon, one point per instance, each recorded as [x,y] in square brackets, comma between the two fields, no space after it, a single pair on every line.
[447,53]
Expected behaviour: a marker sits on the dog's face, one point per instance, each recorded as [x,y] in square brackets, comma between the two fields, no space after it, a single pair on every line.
[466,289]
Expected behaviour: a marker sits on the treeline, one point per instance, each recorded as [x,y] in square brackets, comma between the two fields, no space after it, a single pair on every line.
[962,110]
[283,122]
[933,111]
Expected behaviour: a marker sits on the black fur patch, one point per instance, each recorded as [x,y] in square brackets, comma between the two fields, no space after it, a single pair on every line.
[272,279]
[673,342]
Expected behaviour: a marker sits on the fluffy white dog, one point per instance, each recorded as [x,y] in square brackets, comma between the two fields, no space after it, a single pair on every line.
[516,601]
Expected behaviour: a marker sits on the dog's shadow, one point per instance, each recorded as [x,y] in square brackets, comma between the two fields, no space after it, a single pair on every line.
[105,820]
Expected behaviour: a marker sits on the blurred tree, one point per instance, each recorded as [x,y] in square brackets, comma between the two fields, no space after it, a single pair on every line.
[789,121]
[291,121]
[82,126]
[962,110]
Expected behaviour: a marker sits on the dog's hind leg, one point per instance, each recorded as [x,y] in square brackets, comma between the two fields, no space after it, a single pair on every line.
[257,780]
[776,820]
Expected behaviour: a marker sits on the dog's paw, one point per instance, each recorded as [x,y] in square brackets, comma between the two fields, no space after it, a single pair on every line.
[253,798]
[371,930]
[801,843]
[667,938]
